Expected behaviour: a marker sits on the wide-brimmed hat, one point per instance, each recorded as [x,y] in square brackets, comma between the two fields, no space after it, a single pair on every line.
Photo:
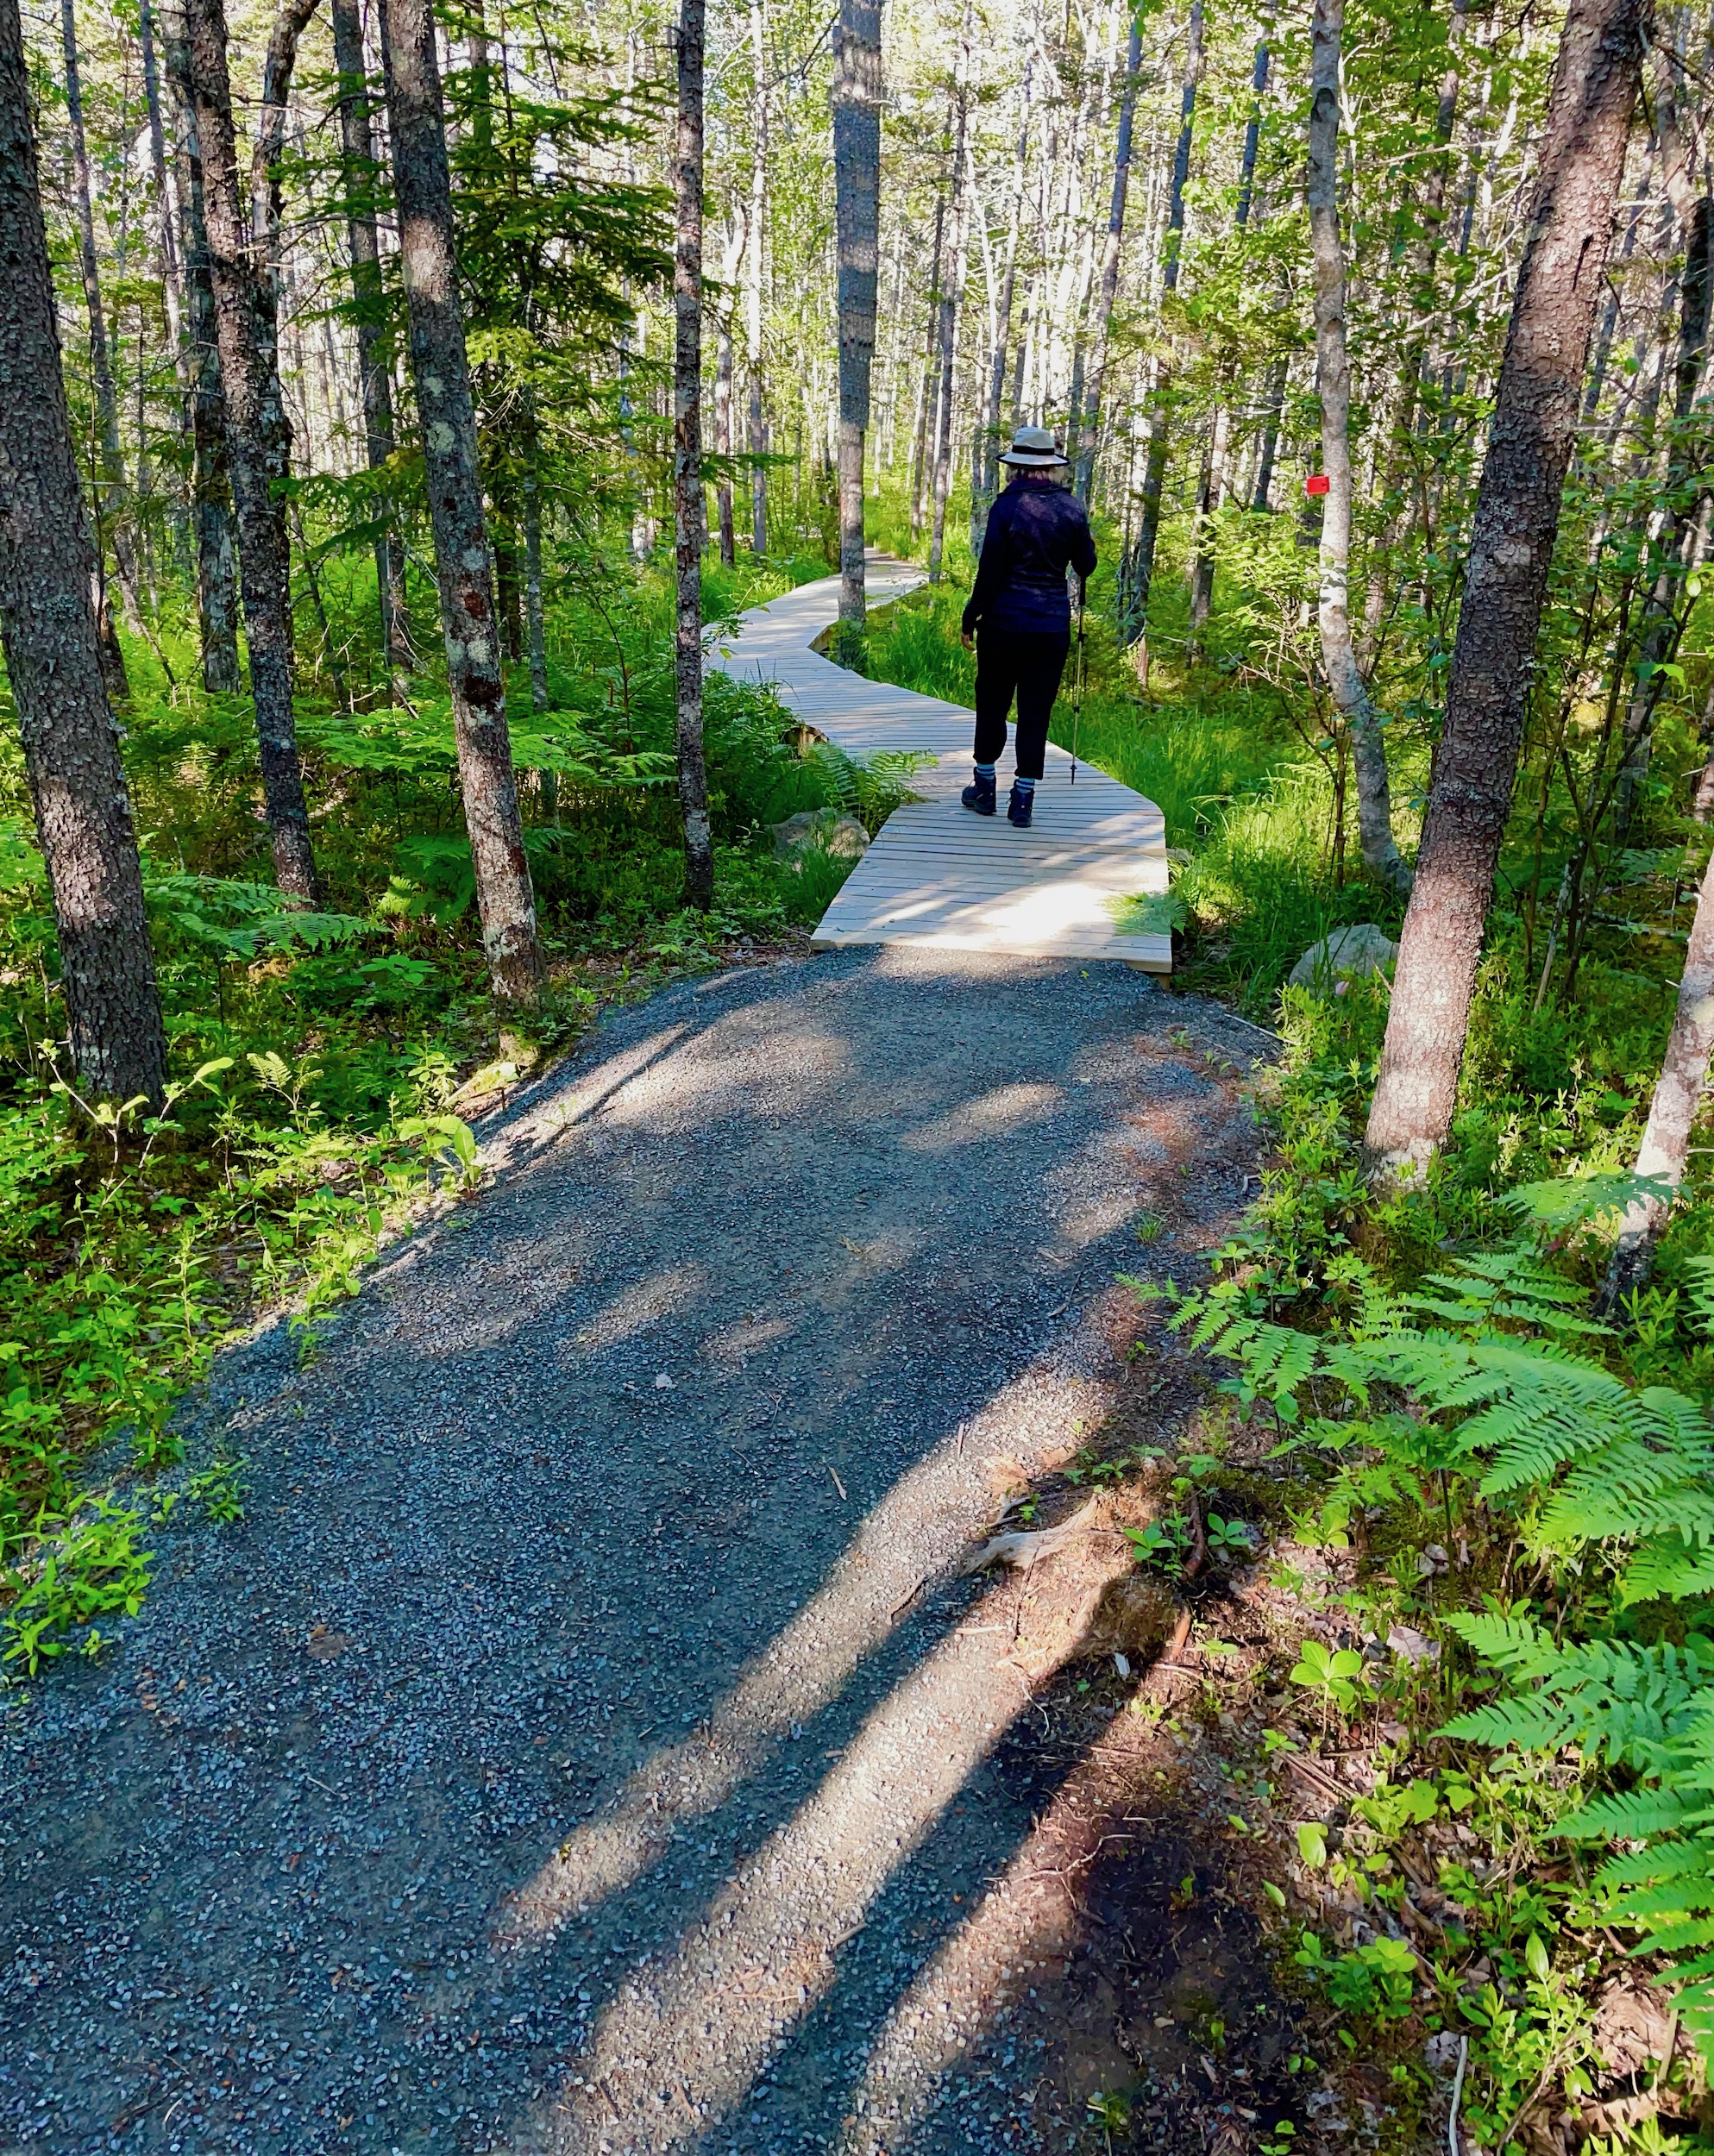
[1034,449]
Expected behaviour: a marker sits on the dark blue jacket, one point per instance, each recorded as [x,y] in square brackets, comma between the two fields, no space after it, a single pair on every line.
[1035,532]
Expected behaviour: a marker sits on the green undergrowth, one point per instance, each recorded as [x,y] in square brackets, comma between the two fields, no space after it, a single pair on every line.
[325,1066]
[1500,1535]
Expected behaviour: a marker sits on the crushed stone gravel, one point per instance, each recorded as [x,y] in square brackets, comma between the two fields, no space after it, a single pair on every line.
[586,1742]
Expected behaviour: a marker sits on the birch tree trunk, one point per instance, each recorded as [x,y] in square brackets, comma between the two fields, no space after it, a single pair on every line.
[924,433]
[1107,290]
[688,534]
[985,459]
[857,179]
[1332,380]
[1214,495]
[463,560]
[950,295]
[755,276]
[258,441]
[83,811]
[172,274]
[110,505]
[374,372]
[723,442]
[1139,570]
[1671,1111]
[1511,545]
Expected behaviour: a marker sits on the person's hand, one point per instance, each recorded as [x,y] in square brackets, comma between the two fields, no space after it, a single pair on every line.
[967,640]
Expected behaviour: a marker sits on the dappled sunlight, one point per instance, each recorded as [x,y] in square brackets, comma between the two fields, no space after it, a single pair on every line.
[1083,1221]
[684,1076]
[645,1304]
[714,1075]
[912,1535]
[542,1119]
[670,2058]
[1029,1917]
[806,1668]
[733,1344]
[996,1113]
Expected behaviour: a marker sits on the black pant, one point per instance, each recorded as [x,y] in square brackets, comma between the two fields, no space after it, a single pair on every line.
[1027,664]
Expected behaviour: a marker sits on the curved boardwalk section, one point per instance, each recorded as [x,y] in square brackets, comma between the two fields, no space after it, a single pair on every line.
[937,875]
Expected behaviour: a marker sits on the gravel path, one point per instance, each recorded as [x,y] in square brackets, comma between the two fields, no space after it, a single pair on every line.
[586,1742]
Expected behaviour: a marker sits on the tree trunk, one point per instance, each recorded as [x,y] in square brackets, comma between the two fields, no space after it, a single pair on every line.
[210,482]
[1332,380]
[258,440]
[278,68]
[172,275]
[722,444]
[508,592]
[83,811]
[1253,131]
[1278,377]
[1209,491]
[1609,313]
[1659,630]
[534,616]
[464,563]
[375,367]
[1139,570]
[755,275]
[111,504]
[1201,576]
[1511,545]
[1107,292]
[535,622]
[857,179]
[924,433]
[985,462]
[1672,1112]
[688,513]
[950,294]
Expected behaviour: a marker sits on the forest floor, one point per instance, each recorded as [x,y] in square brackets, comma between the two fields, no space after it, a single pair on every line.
[592,1738]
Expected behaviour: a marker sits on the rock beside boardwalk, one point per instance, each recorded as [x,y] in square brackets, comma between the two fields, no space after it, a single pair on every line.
[835,834]
[1363,948]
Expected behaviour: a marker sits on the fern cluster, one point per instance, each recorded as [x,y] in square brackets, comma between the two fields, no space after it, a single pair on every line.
[1487,1376]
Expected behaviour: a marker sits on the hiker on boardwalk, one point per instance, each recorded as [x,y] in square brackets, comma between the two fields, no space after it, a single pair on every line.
[1022,610]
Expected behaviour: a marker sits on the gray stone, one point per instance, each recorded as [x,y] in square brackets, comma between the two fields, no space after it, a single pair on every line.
[1364,948]
[835,834]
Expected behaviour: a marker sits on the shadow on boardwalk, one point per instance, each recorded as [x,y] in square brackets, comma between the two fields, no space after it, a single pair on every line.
[586,1742]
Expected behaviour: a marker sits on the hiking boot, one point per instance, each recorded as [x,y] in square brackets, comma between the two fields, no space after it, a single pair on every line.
[1018,808]
[979,798]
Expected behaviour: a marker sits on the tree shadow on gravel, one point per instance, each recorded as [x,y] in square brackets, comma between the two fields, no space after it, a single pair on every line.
[588,1742]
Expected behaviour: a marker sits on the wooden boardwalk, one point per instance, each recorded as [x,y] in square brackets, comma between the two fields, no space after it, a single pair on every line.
[935,875]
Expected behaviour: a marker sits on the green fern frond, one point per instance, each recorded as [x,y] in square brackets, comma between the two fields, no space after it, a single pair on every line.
[1511,1642]
[1568,1201]
[1627,1817]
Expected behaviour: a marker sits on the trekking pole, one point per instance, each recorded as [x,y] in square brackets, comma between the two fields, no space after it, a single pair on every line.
[1077,686]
